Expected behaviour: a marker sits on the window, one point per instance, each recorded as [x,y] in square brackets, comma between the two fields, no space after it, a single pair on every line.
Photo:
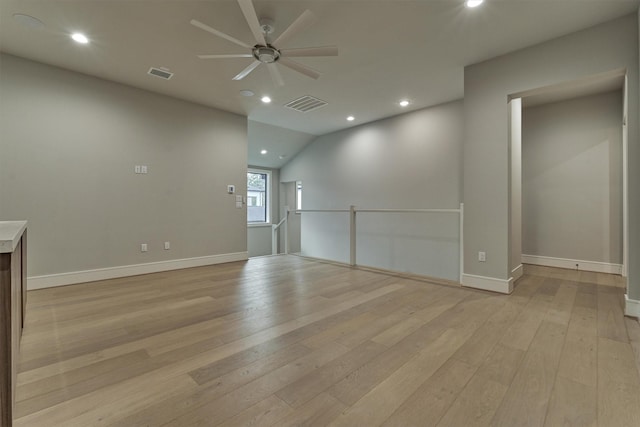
[258,196]
[298,195]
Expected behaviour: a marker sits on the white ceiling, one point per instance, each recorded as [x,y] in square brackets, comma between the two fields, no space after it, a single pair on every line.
[278,141]
[389,49]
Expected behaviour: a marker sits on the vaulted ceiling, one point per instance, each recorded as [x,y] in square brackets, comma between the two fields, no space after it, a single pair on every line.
[388,50]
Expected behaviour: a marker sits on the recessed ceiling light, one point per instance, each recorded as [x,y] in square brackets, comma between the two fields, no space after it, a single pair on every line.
[263,152]
[266,99]
[247,92]
[28,21]
[404,103]
[80,38]
[351,118]
[473,3]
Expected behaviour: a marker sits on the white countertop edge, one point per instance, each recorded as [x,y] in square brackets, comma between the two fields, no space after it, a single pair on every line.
[10,234]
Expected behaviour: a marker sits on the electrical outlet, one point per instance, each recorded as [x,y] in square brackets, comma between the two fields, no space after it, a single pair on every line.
[143,247]
[167,246]
[482,256]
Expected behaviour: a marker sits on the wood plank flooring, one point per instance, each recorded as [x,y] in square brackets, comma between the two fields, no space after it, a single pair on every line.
[287,341]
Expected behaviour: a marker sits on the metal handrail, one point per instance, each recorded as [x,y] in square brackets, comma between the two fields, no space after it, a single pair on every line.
[381,210]
[276,226]
[322,210]
[409,210]
[274,233]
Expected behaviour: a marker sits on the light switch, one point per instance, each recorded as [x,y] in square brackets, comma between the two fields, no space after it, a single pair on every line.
[231,189]
[137,169]
[143,169]
[239,198]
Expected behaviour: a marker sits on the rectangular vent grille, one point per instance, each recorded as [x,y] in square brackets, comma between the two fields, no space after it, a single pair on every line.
[305,104]
[160,73]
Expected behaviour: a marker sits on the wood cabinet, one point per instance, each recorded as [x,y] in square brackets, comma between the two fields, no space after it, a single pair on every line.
[13,299]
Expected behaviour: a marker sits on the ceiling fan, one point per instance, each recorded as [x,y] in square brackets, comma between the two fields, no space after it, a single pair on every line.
[266,52]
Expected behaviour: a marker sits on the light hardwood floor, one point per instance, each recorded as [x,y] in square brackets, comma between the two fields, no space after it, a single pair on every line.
[286,341]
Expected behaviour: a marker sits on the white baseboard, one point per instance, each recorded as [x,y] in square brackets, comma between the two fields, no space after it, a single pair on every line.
[62,279]
[517,272]
[488,283]
[598,267]
[631,307]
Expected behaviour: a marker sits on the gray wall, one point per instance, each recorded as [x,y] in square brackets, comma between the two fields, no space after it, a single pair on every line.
[259,240]
[408,161]
[67,154]
[613,45]
[259,236]
[572,179]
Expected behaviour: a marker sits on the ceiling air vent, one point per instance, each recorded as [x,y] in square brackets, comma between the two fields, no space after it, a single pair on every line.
[305,104]
[158,72]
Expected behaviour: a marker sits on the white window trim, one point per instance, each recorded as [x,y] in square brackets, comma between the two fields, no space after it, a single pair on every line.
[269,191]
[296,197]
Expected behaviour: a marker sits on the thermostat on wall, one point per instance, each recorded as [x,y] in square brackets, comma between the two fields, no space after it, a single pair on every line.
[231,189]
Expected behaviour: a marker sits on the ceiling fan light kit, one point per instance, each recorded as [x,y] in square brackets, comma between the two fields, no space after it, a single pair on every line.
[266,53]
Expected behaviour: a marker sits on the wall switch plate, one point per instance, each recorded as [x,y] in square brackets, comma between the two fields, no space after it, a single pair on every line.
[231,189]
[137,169]
[143,169]
[143,247]
[167,246]
[482,256]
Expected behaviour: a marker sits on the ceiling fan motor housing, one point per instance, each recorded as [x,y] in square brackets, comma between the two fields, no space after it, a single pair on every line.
[266,54]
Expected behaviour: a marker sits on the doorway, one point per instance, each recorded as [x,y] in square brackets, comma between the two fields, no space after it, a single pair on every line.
[568,156]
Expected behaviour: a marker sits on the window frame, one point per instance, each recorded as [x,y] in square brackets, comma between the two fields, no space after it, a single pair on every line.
[268,191]
[298,197]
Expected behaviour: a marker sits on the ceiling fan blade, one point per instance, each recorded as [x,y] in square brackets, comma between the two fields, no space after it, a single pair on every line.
[242,74]
[296,66]
[275,74]
[250,15]
[310,51]
[306,19]
[232,55]
[215,32]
